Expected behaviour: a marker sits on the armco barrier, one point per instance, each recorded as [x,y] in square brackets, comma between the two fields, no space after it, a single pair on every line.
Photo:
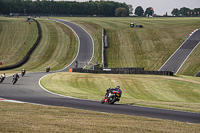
[103,48]
[123,71]
[25,59]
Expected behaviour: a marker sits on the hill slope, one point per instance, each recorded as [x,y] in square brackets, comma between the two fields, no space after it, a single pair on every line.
[58,46]
[147,47]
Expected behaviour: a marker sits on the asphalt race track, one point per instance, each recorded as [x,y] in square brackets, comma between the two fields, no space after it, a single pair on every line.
[27,89]
[175,62]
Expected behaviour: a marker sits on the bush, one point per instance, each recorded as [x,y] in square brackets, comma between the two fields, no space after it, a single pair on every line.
[121,12]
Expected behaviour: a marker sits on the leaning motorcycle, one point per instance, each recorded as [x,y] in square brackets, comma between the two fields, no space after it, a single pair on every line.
[14,80]
[23,73]
[2,79]
[47,69]
[113,96]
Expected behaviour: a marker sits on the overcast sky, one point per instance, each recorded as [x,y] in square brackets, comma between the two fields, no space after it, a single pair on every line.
[160,6]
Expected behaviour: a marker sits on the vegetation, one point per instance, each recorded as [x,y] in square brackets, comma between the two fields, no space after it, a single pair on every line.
[147,47]
[155,91]
[149,11]
[139,11]
[23,118]
[186,12]
[57,49]
[121,12]
[17,36]
[103,8]
[55,38]
[175,12]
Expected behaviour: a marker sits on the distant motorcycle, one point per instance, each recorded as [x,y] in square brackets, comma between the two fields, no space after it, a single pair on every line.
[23,72]
[47,69]
[2,79]
[15,81]
[15,78]
[113,96]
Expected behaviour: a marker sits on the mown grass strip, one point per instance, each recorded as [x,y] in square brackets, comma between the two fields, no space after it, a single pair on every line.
[146,90]
[23,118]
[147,47]
[57,49]
[14,33]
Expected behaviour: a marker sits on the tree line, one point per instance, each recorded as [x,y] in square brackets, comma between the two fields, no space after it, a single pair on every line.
[28,7]
[186,12]
[175,12]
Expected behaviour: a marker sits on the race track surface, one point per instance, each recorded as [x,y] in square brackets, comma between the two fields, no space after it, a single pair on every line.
[175,62]
[27,89]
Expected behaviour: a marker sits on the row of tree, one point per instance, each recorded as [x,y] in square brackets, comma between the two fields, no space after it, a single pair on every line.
[186,12]
[140,12]
[104,8]
[175,12]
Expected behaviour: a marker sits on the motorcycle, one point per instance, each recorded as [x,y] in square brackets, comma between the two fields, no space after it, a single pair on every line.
[14,80]
[2,79]
[47,69]
[113,96]
[23,73]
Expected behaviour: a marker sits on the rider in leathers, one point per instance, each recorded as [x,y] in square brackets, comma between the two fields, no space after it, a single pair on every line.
[109,90]
[15,76]
[2,77]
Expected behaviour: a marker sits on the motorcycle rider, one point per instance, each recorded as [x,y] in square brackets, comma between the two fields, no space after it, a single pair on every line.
[23,72]
[110,90]
[2,77]
[47,69]
[15,77]
[118,89]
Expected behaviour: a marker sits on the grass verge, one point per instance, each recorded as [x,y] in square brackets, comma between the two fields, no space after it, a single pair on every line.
[147,47]
[16,117]
[154,91]
[16,38]
[57,49]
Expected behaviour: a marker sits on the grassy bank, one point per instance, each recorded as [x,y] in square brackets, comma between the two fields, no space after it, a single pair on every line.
[147,47]
[57,49]
[25,118]
[178,93]
[16,38]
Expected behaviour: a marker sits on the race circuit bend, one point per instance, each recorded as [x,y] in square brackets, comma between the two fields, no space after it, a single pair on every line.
[28,90]
[177,59]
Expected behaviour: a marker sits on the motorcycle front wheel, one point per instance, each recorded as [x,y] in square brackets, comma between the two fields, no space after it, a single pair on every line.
[112,100]
[102,100]
[14,81]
